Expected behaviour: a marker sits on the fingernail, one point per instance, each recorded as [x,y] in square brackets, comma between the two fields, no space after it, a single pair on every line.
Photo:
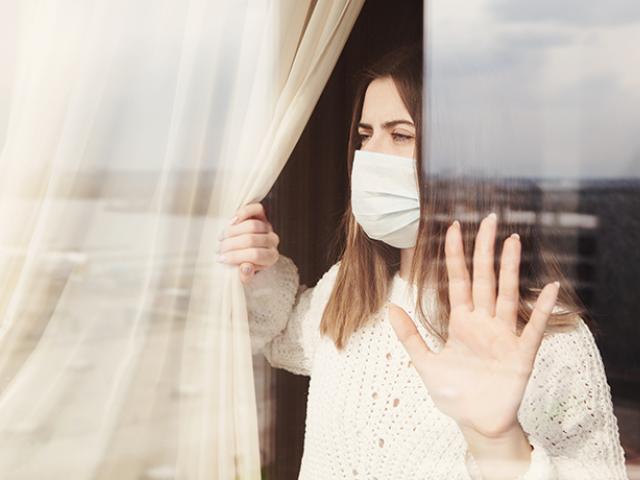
[456,224]
[557,284]
[515,236]
[246,269]
[492,216]
[233,220]
[221,258]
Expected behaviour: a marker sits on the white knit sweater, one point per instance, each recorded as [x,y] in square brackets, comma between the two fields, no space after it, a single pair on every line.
[370,416]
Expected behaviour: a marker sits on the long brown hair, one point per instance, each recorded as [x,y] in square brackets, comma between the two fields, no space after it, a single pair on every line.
[367,265]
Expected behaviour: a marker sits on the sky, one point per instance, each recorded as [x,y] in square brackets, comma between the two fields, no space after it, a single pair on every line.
[514,87]
[540,89]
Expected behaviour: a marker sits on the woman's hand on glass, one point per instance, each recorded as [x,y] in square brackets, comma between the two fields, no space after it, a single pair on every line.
[480,375]
[249,242]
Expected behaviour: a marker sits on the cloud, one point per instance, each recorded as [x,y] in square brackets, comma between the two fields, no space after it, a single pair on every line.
[535,89]
[573,12]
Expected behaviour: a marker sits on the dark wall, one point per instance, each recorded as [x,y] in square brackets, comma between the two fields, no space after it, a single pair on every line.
[309,197]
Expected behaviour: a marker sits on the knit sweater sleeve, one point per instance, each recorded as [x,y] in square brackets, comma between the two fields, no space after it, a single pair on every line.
[567,413]
[284,316]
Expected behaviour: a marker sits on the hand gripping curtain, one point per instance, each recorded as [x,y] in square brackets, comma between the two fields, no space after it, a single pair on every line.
[130,133]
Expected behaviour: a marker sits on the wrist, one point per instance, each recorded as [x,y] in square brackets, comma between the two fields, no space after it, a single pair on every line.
[502,456]
[510,434]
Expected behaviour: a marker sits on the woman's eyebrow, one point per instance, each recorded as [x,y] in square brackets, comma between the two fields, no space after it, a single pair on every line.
[386,125]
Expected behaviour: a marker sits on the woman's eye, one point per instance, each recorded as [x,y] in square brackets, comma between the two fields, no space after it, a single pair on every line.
[363,137]
[399,137]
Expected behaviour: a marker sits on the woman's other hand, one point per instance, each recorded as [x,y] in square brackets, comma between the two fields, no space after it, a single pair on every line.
[480,376]
[249,242]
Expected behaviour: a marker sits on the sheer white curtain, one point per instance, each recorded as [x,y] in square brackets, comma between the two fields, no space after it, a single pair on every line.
[130,132]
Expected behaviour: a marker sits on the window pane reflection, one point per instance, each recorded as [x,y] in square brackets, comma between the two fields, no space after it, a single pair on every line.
[544,97]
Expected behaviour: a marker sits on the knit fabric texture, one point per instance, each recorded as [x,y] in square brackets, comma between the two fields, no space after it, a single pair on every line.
[370,416]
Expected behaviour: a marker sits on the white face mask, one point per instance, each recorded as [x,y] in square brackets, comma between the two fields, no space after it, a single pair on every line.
[385,199]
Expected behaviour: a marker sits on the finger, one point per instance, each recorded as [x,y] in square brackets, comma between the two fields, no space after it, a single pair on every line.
[249,240]
[251,210]
[484,278]
[459,284]
[247,271]
[508,292]
[252,271]
[255,256]
[534,329]
[408,335]
[247,226]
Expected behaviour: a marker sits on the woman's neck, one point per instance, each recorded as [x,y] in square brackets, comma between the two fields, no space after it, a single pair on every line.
[406,257]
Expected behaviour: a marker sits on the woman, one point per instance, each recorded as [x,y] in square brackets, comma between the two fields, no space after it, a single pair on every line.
[418,369]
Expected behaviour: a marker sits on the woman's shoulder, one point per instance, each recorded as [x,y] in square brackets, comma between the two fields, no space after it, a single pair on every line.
[567,360]
[566,344]
[328,278]
[567,404]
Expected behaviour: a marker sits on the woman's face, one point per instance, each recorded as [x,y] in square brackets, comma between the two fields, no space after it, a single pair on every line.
[385,125]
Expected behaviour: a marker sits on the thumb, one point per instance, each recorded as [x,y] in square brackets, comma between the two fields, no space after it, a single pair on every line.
[408,334]
[246,272]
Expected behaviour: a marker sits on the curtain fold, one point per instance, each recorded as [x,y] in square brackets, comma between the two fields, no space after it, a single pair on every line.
[130,133]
